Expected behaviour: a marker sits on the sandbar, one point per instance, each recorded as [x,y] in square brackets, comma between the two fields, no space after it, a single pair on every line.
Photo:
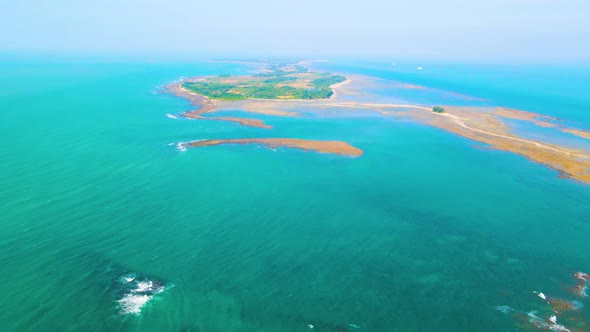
[332,147]
[578,132]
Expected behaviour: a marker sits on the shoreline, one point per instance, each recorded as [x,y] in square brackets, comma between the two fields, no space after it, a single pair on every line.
[207,105]
[337,86]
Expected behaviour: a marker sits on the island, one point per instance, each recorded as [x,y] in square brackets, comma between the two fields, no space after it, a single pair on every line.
[294,90]
[275,81]
[278,82]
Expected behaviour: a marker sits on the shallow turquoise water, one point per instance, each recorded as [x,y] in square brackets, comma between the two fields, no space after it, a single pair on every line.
[423,232]
[557,90]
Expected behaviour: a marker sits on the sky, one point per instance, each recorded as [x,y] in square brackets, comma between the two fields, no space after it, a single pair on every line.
[494,30]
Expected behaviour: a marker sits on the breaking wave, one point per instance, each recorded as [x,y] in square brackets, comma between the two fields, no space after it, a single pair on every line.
[136,292]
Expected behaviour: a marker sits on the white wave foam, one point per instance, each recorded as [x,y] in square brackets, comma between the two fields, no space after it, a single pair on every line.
[128,277]
[582,287]
[180,147]
[132,303]
[144,286]
[138,292]
[148,286]
[540,323]
[171,116]
[541,295]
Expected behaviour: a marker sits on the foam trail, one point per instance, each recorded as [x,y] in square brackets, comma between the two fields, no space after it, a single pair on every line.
[171,116]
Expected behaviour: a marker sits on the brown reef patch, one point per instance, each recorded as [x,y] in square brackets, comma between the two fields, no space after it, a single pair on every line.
[562,305]
[333,147]
[243,121]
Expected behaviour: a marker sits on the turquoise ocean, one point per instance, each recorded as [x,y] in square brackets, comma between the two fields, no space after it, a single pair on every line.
[106,226]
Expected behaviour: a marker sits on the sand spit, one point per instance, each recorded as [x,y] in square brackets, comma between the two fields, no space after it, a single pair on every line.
[333,147]
[487,127]
[336,87]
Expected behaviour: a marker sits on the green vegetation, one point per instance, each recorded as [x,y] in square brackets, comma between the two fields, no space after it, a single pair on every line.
[438,109]
[213,90]
[279,82]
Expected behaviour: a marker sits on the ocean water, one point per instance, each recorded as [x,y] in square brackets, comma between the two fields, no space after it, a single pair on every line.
[106,226]
[557,90]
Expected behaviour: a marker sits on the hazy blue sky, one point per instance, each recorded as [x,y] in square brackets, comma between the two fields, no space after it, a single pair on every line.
[436,29]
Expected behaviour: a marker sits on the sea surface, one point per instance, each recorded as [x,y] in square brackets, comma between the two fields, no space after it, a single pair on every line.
[106,226]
